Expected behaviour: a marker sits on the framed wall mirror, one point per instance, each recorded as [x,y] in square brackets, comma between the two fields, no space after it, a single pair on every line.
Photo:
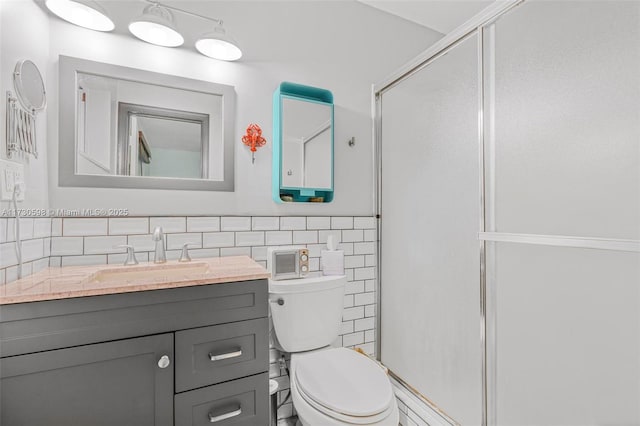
[303,144]
[127,128]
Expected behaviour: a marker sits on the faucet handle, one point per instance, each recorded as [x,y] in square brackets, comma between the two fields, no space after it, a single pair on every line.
[184,256]
[131,254]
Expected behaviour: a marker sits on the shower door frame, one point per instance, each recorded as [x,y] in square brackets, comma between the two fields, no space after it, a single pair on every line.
[478,25]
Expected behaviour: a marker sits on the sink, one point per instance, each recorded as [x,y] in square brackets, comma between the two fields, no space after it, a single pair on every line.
[174,272]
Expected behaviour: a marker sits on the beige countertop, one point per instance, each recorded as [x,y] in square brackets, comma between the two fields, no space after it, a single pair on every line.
[80,281]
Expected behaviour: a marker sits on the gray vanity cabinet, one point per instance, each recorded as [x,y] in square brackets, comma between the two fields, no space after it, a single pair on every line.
[184,356]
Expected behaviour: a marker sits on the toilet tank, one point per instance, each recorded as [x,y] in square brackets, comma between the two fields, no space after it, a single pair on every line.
[307,312]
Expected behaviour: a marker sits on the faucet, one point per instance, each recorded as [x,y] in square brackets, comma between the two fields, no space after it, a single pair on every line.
[158,237]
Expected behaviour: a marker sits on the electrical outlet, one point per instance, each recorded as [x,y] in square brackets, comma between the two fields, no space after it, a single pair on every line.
[10,174]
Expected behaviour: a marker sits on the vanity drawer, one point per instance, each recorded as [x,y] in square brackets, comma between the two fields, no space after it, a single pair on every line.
[209,355]
[242,402]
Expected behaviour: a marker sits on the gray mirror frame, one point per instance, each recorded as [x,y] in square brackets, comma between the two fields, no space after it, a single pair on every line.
[68,67]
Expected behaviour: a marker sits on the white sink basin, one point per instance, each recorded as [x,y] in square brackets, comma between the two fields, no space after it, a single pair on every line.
[173,272]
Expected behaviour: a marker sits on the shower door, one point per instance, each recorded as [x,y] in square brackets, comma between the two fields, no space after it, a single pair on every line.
[430,253]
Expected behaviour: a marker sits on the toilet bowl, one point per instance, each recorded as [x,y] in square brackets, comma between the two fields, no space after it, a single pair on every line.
[338,386]
[329,386]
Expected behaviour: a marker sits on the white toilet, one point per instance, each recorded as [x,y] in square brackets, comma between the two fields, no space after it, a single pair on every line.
[329,386]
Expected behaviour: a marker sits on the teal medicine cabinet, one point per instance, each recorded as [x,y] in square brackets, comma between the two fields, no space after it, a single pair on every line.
[302,144]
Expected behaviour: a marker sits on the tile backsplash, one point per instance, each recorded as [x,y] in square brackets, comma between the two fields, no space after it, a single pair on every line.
[86,241]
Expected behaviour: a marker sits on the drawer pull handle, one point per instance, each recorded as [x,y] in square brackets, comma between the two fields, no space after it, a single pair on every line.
[225,416]
[220,357]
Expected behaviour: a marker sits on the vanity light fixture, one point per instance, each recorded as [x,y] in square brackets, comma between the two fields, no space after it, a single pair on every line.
[84,13]
[156,26]
[218,45]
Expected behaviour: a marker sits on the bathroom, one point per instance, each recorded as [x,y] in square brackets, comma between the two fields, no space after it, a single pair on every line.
[484,193]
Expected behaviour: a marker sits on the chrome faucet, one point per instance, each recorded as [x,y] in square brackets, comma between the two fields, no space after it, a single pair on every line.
[158,237]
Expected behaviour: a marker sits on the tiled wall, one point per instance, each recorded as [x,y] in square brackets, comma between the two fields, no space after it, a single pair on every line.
[84,241]
[36,242]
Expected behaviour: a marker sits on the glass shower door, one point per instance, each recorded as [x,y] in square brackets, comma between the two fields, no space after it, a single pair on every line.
[430,261]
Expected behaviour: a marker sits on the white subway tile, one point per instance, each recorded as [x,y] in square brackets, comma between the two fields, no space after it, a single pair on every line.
[119,258]
[26,228]
[348,301]
[305,237]
[203,224]
[8,255]
[354,261]
[56,227]
[262,263]
[347,248]
[365,299]
[265,223]
[128,225]
[259,253]
[320,222]
[235,224]
[342,222]
[255,238]
[278,238]
[349,274]
[32,250]
[42,227]
[347,327]
[314,264]
[47,246]
[369,349]
[315,250]
[3,229]
[369,335]
[369,285]
[169,224]
[352,313]
[364,248]
[353,339]
[370,260]
[104,245]
[176,241]
[65,246]
[10,234]
[364,324]
[236,251]
[370,235]
[204,253]
[364,222]
[2,276]
[80,227]
[84,260]
[364,273]
[323,235]
[11,274]
[218,239]
[141,242]
[354,287]
[293,223]
[352,235]
[55,261]
[370,311]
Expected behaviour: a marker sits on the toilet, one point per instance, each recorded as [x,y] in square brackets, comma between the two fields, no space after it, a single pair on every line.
[329,386]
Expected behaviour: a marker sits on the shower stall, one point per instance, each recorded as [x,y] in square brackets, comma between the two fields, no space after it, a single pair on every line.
[509,201]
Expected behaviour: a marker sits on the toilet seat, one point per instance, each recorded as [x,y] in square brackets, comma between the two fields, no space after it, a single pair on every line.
[344,385]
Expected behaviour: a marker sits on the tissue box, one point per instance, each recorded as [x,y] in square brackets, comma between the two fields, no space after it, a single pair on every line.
[332,262]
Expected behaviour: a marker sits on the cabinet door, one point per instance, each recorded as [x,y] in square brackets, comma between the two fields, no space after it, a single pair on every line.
[106,384]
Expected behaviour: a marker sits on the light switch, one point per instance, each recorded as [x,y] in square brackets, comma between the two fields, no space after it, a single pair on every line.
[10,173]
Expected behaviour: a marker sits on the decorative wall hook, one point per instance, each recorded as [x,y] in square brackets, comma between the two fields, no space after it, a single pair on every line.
[253,139]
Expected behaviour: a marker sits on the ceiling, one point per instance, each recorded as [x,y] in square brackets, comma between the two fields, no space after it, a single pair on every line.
[439,15]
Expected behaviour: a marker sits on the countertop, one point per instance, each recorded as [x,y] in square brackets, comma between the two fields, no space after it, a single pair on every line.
[81,281]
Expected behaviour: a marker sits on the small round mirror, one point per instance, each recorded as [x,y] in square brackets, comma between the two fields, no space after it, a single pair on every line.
[29,86]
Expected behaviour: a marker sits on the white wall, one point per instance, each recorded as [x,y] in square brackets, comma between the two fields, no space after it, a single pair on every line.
[342,46]
[24,29]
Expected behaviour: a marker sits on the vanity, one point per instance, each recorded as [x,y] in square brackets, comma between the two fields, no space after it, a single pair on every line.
[171,344]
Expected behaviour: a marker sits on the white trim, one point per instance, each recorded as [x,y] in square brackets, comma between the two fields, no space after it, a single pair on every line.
[563,241]
[485,16]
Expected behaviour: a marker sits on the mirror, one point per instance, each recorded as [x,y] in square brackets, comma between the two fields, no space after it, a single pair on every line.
[303,127]
[127,128]
[29,86]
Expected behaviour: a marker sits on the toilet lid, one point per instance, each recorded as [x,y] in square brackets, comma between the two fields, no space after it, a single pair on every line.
[345,382]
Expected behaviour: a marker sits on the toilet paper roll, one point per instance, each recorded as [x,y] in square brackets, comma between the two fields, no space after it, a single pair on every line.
[332,262]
